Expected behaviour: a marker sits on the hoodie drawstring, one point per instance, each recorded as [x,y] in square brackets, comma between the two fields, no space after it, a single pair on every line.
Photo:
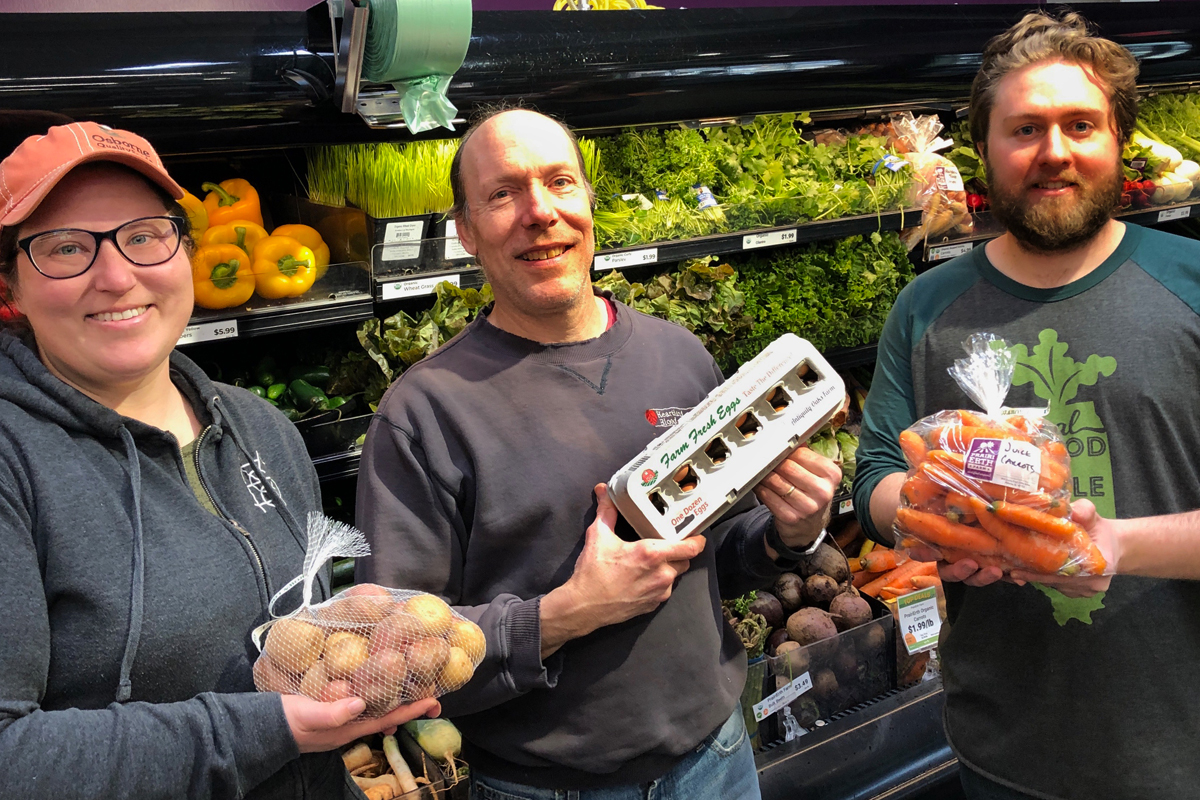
[125,687]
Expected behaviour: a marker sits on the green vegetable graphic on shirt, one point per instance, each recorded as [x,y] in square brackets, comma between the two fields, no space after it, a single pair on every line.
[1056,378]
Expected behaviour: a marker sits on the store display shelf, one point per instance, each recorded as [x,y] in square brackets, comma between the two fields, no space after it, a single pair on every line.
[892,747]
[986,228]
[738,241]
[846,357]
[210,326]
[338,465]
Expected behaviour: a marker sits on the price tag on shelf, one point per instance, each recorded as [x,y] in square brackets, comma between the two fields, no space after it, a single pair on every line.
[768,239]
[782,697]
[397,232]
[944,251]
[845,507]
[1168,214]
[453,249]
[414,287]
[630,258]
[209,332]
[920,621]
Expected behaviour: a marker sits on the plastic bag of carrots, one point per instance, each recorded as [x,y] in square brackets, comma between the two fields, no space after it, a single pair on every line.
[993,487]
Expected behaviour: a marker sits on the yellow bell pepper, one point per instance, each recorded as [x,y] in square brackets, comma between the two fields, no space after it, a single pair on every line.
[242,233]
[221,276]
[283,267]
[231,200]
[310,238]
[196,214]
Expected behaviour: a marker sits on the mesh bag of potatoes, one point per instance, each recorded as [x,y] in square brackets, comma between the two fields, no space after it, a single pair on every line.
[387,646]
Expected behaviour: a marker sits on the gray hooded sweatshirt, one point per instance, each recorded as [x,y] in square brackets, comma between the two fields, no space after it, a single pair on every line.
[125,607]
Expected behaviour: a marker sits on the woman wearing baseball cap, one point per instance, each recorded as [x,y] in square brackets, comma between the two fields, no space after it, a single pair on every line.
[147,514]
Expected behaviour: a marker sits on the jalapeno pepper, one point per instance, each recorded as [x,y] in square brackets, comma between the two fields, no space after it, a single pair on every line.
[221,276]
[283,267]
[231,200]
[307,396]
[242,232]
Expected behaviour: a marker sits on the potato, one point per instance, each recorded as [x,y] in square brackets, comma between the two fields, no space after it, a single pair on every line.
[396,632]
[418,687]
[457,671]
[336,690]
[468,637]
[315,681]
[797,658]
[270,678]
[426,657]
[344,653]
[378,680]
[358,606]
[294,645]
[433,613]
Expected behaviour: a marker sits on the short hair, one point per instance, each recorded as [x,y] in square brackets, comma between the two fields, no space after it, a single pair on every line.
[1041,37]
[459,210]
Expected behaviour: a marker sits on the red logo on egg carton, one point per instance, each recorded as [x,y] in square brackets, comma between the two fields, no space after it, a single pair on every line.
[649,476]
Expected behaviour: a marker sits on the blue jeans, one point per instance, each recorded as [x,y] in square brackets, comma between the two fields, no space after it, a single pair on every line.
[720,768]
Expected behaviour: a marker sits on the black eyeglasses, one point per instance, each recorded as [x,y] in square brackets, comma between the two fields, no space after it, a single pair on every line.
[68,252]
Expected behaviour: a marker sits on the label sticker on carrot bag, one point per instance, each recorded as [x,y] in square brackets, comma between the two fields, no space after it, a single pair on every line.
[1008,462]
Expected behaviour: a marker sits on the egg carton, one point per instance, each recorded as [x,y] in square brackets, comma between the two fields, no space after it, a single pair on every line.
[687,478]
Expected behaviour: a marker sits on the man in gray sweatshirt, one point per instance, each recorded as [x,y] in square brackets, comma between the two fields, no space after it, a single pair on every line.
[609,665]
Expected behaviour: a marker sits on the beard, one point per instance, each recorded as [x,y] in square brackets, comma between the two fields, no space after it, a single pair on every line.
[1059,224]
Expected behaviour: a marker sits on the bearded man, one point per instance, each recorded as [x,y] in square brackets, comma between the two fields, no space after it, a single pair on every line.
[1104,320]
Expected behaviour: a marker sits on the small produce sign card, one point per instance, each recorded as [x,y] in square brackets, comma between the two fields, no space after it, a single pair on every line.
[782,697]
[920,621]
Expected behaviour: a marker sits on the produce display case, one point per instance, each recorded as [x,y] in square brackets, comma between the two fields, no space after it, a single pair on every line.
[237,86]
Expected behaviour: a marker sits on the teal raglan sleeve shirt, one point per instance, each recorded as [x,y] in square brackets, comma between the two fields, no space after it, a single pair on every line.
[891,403]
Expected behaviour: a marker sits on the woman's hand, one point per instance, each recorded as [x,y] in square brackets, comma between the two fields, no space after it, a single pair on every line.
[318,726]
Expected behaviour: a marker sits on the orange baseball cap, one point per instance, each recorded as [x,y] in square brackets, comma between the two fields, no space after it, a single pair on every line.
[40,162]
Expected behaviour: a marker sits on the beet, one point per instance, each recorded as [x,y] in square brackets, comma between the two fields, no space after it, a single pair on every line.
[825,684]
[873,641]
[806,712]
[845,666]
[777,638]
[819,590]
[849,611]
[827,561]
[769,606]
[787,589]
[810,625]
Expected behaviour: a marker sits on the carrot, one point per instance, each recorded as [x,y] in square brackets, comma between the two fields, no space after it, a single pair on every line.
[941,532]
[900,573]
[860,579]
[920,491]
[958,438]
[1055,527]
[1057,451]
[881,560]
[945,458]
[944,478]
[913,446]
[1054,475]
[891,593]
[925,581]
[1036,552]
